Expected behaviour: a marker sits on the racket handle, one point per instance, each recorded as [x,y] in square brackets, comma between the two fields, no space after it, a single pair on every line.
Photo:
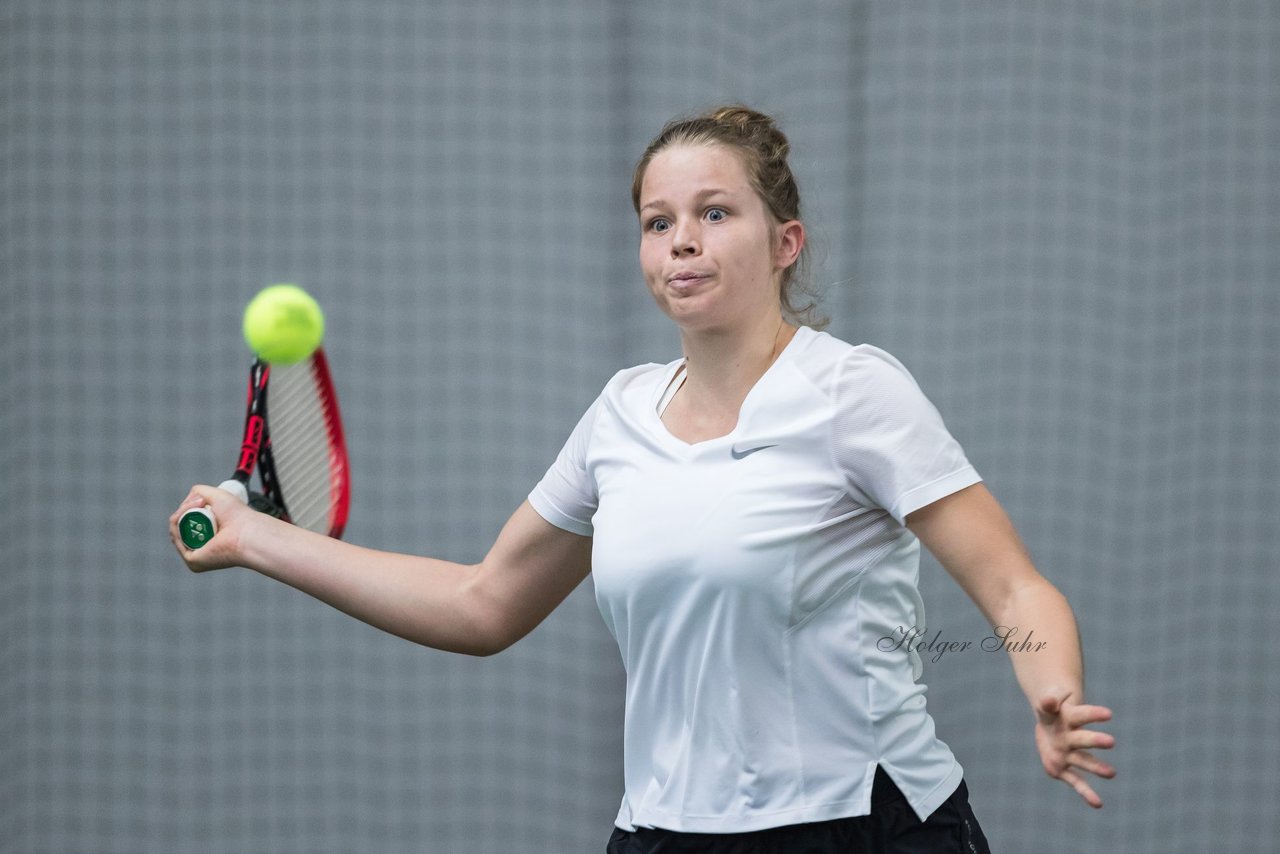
[198,525]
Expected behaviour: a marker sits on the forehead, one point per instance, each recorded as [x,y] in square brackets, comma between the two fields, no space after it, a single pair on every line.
[686,169]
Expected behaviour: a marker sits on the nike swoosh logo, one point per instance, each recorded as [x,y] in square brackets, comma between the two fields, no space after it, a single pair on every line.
[738,455]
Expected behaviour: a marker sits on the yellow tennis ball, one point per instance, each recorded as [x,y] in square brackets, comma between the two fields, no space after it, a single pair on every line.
[283,324]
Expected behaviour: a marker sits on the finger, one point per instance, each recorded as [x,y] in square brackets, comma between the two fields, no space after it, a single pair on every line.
[208,494]
[175,536]
[1050,707]
[192,500]
[1082,788]
[195,498]
[1082,739]
[1087,762]
[174,518]
[1082,714]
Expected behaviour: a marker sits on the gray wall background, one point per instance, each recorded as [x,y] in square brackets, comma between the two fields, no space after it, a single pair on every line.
[1064,218]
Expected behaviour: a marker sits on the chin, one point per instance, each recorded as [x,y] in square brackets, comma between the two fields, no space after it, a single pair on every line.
[700,322]
[699,313]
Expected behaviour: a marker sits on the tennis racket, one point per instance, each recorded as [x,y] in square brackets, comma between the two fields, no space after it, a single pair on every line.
[300,454]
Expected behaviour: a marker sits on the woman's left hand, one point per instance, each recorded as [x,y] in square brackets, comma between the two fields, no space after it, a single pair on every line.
[1064,742]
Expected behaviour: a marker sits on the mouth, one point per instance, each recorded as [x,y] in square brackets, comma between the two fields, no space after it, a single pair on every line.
[687,279]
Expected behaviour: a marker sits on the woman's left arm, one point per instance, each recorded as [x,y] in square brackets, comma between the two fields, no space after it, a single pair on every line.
[974,540]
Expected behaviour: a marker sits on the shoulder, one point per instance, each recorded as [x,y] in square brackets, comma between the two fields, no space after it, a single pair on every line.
[638,375]
[840,369]
[632,388]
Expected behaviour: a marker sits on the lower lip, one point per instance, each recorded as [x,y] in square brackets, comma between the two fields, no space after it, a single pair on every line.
[686,284]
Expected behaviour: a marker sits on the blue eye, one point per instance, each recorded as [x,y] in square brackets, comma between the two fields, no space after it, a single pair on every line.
[658,225]
[716,215]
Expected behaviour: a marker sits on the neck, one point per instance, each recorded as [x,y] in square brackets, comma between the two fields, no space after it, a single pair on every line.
[723,365]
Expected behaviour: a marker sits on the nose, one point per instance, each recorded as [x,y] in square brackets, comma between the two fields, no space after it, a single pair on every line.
[684,239]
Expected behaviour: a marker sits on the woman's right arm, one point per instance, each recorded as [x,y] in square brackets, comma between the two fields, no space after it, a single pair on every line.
[478,609]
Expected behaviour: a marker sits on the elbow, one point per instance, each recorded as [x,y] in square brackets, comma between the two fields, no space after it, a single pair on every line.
[1027,601]
[491,650]
[465,622]
[475,638]
[488,644]
[486,631]
[496,633]
[472,643]
[481,651]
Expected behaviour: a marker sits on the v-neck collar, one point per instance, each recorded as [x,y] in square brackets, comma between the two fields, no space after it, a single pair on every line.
[675,374]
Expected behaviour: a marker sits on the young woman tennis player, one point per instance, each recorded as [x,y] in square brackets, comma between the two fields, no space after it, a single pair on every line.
[752,515]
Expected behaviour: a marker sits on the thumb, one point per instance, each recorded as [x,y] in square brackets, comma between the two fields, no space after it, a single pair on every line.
[221,493]
[1050,705]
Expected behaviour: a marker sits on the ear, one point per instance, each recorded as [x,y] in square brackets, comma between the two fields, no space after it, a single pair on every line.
[790,241]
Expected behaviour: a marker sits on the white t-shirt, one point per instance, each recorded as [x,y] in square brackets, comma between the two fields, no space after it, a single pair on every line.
[748,579]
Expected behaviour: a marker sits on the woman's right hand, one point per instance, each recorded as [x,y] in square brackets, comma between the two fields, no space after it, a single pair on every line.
[235,519]
[477,609]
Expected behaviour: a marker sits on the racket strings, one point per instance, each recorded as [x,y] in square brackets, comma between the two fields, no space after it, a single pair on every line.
[303,444]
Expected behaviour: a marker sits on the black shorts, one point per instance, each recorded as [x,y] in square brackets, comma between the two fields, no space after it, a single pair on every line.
[892,828]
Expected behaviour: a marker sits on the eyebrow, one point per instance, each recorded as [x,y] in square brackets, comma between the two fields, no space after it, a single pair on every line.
[701,196]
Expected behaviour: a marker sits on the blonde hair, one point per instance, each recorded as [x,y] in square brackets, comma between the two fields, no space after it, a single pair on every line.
[764,149]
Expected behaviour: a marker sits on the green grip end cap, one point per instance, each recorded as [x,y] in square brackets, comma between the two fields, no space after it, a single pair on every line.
[196,527]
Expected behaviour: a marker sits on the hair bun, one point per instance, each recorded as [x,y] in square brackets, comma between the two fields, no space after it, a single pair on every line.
[739,115]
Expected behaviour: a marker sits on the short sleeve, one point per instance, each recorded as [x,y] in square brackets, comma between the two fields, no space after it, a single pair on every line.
[889,440]
[566,496]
